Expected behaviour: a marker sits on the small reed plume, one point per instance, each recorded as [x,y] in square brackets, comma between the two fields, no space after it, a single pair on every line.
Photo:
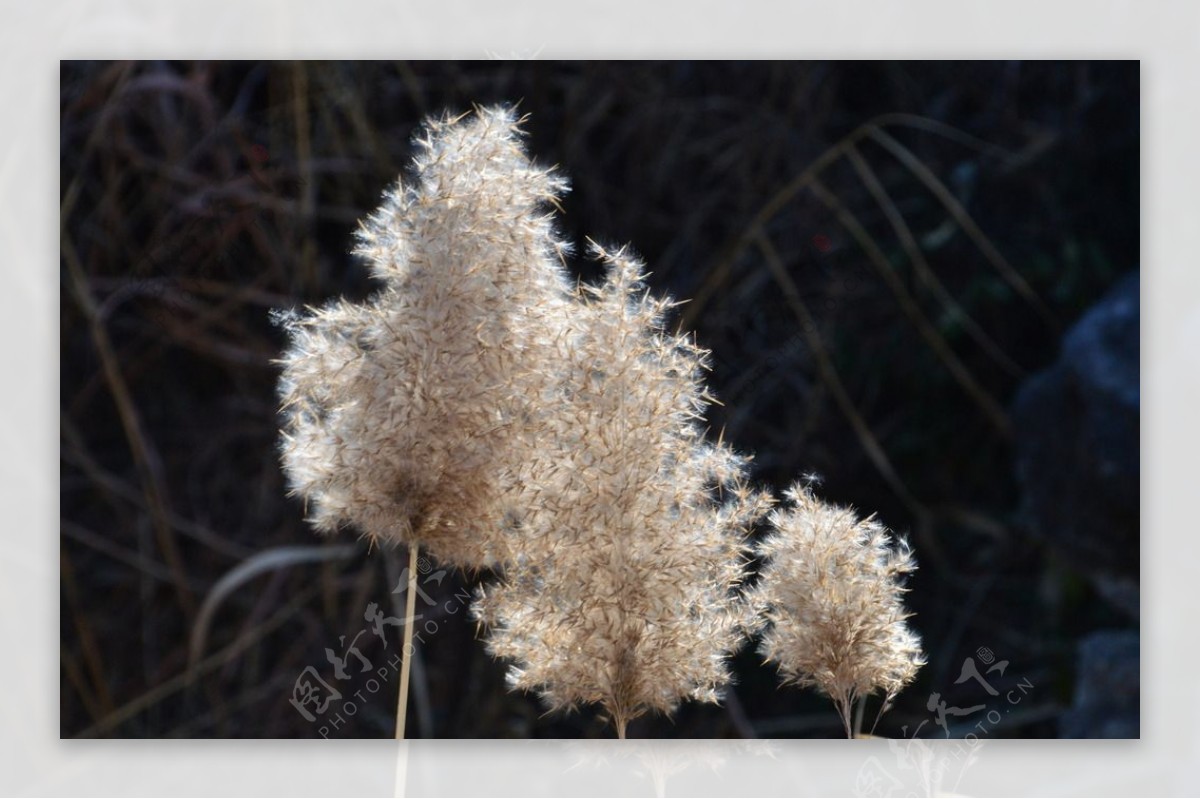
[831,593]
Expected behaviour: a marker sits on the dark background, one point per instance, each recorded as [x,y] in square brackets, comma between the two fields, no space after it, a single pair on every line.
[199,196]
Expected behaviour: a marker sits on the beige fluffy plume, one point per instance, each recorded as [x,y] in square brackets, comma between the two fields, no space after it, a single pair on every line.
[831,592]
[410,416]
[629,596]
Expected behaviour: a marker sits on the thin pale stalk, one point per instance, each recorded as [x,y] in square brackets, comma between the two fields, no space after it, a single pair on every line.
[410,609]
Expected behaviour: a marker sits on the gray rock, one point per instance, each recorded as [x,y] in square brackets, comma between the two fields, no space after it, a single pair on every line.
[1108,688]
[1077,447]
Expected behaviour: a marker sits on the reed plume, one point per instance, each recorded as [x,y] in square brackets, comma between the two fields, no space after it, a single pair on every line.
[411,415]
[628,595]
[831,593]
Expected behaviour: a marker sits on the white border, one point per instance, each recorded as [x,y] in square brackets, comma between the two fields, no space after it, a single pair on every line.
[34,35]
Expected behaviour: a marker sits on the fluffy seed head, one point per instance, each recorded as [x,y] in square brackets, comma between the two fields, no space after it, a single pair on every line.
[408,416]
[831,593]
[629,594]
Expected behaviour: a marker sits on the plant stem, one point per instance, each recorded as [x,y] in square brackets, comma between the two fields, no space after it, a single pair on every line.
[844,704]
[410,608]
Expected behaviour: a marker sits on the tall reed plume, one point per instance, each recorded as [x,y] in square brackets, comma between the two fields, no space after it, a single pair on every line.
[411,415]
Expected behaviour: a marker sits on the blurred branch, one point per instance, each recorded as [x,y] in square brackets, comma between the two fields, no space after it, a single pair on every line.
[831,378]
[271,560]
[719,274]
[188,676]
[145,457]
[134,560]
[833,381]
[79,457]
[98,699]
[921,265]
[947,198]
[991,409]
